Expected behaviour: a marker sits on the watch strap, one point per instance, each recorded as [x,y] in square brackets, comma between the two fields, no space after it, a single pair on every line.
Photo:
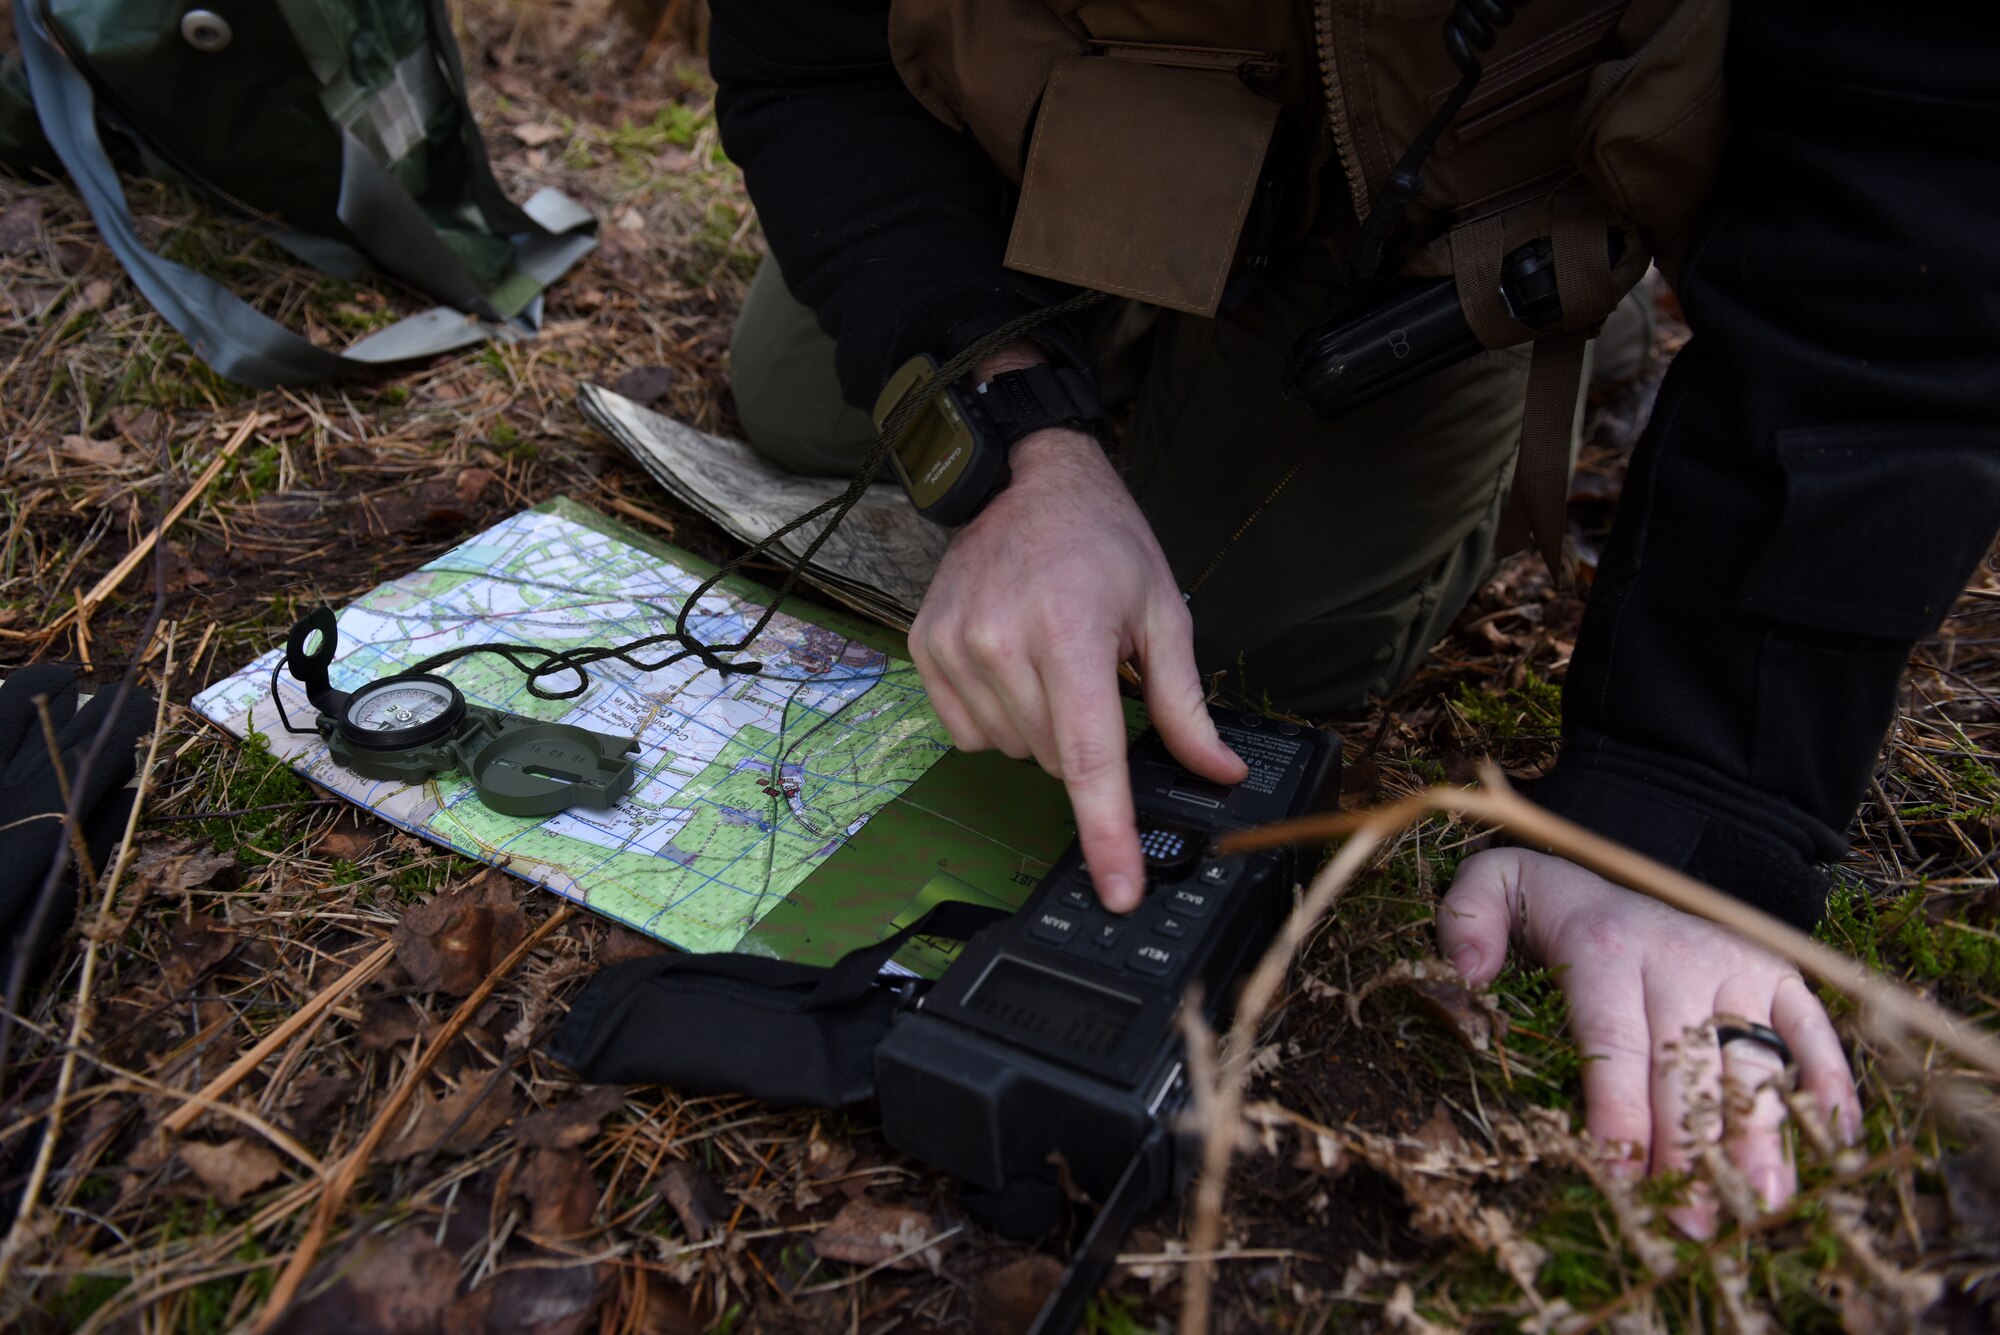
[1034,398]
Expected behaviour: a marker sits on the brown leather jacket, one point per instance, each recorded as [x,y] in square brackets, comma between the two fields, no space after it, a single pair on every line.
[1161,145]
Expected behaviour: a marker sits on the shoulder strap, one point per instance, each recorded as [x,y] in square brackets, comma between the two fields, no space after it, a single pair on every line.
[1540,496]
[734,1023]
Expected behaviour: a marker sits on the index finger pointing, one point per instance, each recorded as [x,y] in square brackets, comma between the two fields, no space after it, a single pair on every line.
[1089,727]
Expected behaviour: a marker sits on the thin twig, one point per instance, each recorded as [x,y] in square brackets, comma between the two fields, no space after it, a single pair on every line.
[183,1117]
[1890,1010]
[341,1181]
[85,864]
[86,1008]
[1225,1105]
[118,574]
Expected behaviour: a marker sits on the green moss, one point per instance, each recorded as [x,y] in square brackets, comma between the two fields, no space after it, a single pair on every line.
[507,439]
[1532,710]
[1541,1063]
[83,1295]
[1109,1314]
[249,775]
[1903,936]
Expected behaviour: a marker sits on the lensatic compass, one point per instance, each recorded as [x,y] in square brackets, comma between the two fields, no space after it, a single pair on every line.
[413,726]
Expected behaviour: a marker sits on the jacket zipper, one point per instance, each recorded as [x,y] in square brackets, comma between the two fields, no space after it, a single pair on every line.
[1336,106]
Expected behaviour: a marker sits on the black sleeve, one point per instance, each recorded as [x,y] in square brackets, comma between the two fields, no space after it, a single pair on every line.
[1822,470]
[889,224]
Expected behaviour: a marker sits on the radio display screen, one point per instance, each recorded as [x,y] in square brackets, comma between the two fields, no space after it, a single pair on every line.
[1041,1007]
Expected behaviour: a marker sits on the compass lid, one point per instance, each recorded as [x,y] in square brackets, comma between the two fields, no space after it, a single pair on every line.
[542,768]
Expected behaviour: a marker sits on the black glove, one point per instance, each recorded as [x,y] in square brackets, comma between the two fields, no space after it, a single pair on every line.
[31,801]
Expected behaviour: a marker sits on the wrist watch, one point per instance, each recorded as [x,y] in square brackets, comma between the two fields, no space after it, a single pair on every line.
[950,452]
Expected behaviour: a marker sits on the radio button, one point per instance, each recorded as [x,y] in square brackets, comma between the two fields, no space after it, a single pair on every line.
[1168,851]
[1077,898]
[1220,873]
[1109,934]
[1052,926]
[1153,959]
[1172,927]
[1190,902]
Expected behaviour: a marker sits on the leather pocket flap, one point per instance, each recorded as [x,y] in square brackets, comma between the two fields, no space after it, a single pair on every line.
[1139,180]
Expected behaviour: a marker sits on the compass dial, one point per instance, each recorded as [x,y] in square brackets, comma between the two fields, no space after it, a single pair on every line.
[402,711]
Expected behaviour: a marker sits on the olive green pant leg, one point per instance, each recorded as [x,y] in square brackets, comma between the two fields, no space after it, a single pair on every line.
[1322,560]
[787,394]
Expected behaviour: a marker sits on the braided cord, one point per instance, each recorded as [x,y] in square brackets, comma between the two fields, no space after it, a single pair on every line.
[551,662]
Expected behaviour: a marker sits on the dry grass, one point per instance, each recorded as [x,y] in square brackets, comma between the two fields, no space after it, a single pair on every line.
[408,1141]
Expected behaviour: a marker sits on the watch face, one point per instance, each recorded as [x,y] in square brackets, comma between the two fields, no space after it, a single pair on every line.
[402,711]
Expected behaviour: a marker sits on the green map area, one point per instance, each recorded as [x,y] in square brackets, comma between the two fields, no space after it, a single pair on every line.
[800,811]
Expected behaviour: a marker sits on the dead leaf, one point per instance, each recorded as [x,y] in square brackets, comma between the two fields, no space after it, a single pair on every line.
[1472,1015]
[473,484]
[182,573]
[1461,1011]
[534,136]
[141,427]
[395,1285]
[670,1310]
[458,1122]
[346,841]
[538,1300]
[645,385]
[95,293]
[104,453]
[560,1192]
[452,942]
[20,226]
[621,944]
[232,1169]
[387,1021]
[694,1196]
[1007,1299]
[826,1158]
[674,158]
[867,1232]
[312,1096]
[177,866]
[1440,1132]
[566,1126]
[193,948]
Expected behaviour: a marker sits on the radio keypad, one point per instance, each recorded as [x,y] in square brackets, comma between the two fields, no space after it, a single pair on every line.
[1152,939]
[1053,925]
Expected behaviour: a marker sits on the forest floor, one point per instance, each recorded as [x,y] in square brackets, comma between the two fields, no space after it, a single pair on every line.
[1413,1166]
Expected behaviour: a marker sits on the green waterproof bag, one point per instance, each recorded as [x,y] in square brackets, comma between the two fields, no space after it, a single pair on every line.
[341,125]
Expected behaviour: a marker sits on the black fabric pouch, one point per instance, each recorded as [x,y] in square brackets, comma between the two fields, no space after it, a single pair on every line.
[785,1033]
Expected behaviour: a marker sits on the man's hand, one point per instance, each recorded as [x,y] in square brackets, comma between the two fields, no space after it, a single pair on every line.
[1036,603]
[1638,975]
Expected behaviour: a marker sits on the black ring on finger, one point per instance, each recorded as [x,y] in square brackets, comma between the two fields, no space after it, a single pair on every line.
[1725,1034]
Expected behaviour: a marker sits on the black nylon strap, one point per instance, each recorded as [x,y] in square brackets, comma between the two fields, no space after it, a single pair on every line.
[662,1020]
[855,972]
[1034,398]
